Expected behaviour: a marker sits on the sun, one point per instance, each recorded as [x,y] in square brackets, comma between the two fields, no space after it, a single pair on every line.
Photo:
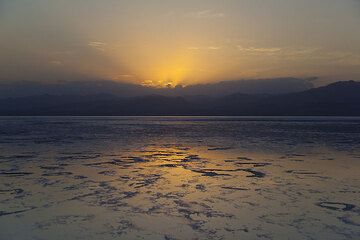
[170,74]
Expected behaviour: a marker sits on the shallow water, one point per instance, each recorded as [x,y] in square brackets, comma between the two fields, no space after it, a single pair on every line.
[179,178]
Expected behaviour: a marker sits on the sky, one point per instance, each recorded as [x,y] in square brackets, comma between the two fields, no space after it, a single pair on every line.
[168,42]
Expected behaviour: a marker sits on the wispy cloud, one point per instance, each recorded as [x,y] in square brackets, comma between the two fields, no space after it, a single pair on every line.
[193,48]
[214,48]
[304,54]
[206,14]
[97,45]
[55,62]
[258,50]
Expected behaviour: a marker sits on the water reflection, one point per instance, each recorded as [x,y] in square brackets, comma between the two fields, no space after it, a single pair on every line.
[175,179]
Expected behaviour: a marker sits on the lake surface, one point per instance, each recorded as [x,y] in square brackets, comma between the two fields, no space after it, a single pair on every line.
[179,178]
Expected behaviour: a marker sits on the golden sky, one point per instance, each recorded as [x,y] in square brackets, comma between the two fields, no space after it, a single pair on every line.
[161,42]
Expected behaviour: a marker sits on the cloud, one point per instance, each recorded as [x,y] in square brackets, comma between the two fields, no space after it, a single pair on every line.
[122,77]
[291,53]
[203,48]
[193,48]
[305,54]
[214,48]
[258,50]
[206,14]
[341,58]
[55,62]
[97,45]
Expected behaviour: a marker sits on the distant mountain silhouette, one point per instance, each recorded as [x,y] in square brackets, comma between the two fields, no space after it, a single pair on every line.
[253,86]
[338,99]
[83,88]
[341,98]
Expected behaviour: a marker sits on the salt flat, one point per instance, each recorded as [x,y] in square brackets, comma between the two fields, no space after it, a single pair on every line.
[179,178]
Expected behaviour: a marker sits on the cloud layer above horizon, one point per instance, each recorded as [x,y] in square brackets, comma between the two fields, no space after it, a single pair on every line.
[161,42]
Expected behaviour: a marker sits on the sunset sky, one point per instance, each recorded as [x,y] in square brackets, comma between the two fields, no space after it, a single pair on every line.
[161,42]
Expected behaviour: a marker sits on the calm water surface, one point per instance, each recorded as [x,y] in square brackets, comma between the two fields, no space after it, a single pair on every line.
[179,178]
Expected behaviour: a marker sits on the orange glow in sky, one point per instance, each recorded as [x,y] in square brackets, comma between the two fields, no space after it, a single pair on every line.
[168,42]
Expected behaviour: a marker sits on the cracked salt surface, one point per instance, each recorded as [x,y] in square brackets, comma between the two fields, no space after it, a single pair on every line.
[174,178]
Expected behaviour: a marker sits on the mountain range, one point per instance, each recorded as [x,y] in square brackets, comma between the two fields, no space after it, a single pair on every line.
[95,87]
[337,99]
